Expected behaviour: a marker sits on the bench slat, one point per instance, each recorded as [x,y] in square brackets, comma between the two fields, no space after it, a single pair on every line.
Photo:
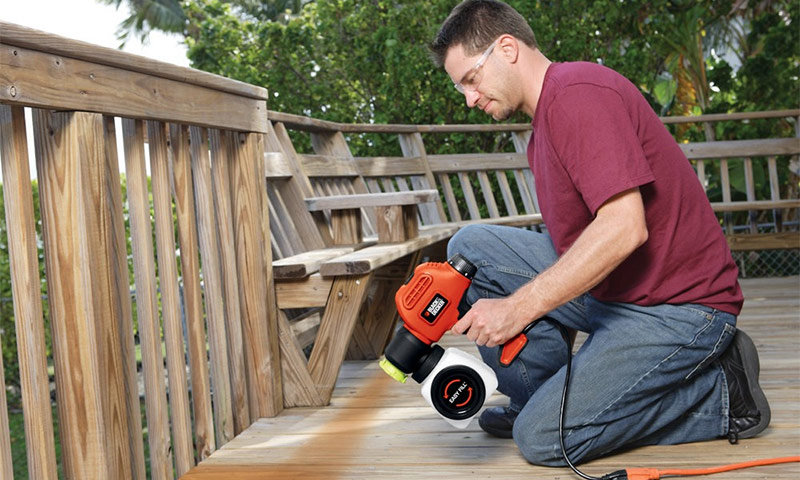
[335,202]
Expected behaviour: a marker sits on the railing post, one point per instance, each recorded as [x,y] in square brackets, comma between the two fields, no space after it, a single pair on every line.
[80,259]
[256,294]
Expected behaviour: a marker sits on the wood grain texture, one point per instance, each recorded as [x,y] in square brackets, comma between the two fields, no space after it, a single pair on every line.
[371,258]
[336,328]
[741,148]
[413,146]
[158,138]
[222,157]
[259,328]
[304,264]
[25,288]
[196,344]
[38,79]
[298,386]
[371,200]
[207,233]
[156,408]
[375,427]
[20,36]
[65,144]
[120,359]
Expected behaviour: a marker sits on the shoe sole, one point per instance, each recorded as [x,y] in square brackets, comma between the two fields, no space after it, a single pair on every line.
[752,367]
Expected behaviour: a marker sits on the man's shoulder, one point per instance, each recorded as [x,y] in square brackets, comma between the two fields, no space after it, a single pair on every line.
[584,73]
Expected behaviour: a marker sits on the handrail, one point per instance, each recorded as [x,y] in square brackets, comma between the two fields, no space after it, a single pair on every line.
[20,36]
[309,124]
[41,70]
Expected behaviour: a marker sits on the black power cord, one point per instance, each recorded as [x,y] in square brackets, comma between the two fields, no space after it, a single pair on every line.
[618,475]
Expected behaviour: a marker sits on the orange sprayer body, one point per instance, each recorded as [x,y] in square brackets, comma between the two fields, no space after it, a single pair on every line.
[428,301]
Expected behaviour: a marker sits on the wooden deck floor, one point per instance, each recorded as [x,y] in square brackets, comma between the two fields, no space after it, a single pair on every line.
[378,428]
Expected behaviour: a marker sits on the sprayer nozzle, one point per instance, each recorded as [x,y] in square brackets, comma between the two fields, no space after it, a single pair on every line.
[393,371]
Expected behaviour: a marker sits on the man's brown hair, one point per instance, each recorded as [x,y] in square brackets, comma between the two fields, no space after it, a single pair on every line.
[475,24]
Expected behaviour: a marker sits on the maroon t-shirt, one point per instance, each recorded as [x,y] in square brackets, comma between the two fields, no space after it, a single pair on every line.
[594,136]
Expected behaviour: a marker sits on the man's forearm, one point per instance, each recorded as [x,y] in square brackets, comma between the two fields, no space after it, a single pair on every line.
[618,229]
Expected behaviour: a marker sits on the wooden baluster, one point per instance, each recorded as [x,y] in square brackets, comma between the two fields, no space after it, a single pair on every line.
[25,285]
[775,192]
[192,296]
[412,145]
[751,193]
[120,327]
[158,138]
[212,278]
[144,271]
[222,158]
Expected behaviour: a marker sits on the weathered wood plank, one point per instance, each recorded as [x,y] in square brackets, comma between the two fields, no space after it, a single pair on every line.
[259,320]
[25,288]
[327,166]
[299,388]
[183,189]
[46,80]
[474,162]
[741,148]
[222,158]
[413,146]
[371,258]
[302,123]
[730,206]
[158,139]
[336,328]
[304,264]
[371,415]
[212,279]
[158,438]
[390,166]
[385,199]
[313,231]
[764,241]
[20,36]
[309,292]
[120,360]
[66,145]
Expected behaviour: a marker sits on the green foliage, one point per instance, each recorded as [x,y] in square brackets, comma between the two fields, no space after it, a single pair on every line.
[367,60]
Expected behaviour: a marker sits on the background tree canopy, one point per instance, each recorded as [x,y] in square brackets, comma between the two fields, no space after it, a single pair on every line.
[367,60]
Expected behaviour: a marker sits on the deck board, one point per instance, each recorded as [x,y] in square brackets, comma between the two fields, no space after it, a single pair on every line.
[378,428]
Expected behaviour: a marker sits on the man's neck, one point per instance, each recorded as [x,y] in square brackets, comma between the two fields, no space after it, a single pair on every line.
[535,66]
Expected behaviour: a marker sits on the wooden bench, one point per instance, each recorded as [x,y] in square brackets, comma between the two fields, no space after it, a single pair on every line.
[340,308]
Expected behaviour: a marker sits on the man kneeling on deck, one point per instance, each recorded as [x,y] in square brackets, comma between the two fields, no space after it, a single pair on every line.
[634,256]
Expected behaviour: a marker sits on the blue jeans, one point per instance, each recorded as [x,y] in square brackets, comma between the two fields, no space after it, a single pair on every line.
[644,375]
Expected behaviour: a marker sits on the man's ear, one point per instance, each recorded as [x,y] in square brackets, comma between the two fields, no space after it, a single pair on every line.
[509,48]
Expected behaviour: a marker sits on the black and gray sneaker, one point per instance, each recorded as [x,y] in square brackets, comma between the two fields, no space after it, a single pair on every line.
[749,410]
[498,421]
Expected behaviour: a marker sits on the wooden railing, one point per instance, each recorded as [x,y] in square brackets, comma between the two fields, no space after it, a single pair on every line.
[203,135]
[211,297]
[490,186]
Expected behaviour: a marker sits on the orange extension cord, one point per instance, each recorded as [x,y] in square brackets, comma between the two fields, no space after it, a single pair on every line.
[656,474]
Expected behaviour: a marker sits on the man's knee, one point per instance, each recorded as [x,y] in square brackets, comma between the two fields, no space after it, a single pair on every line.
[470,240]
[539,445]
